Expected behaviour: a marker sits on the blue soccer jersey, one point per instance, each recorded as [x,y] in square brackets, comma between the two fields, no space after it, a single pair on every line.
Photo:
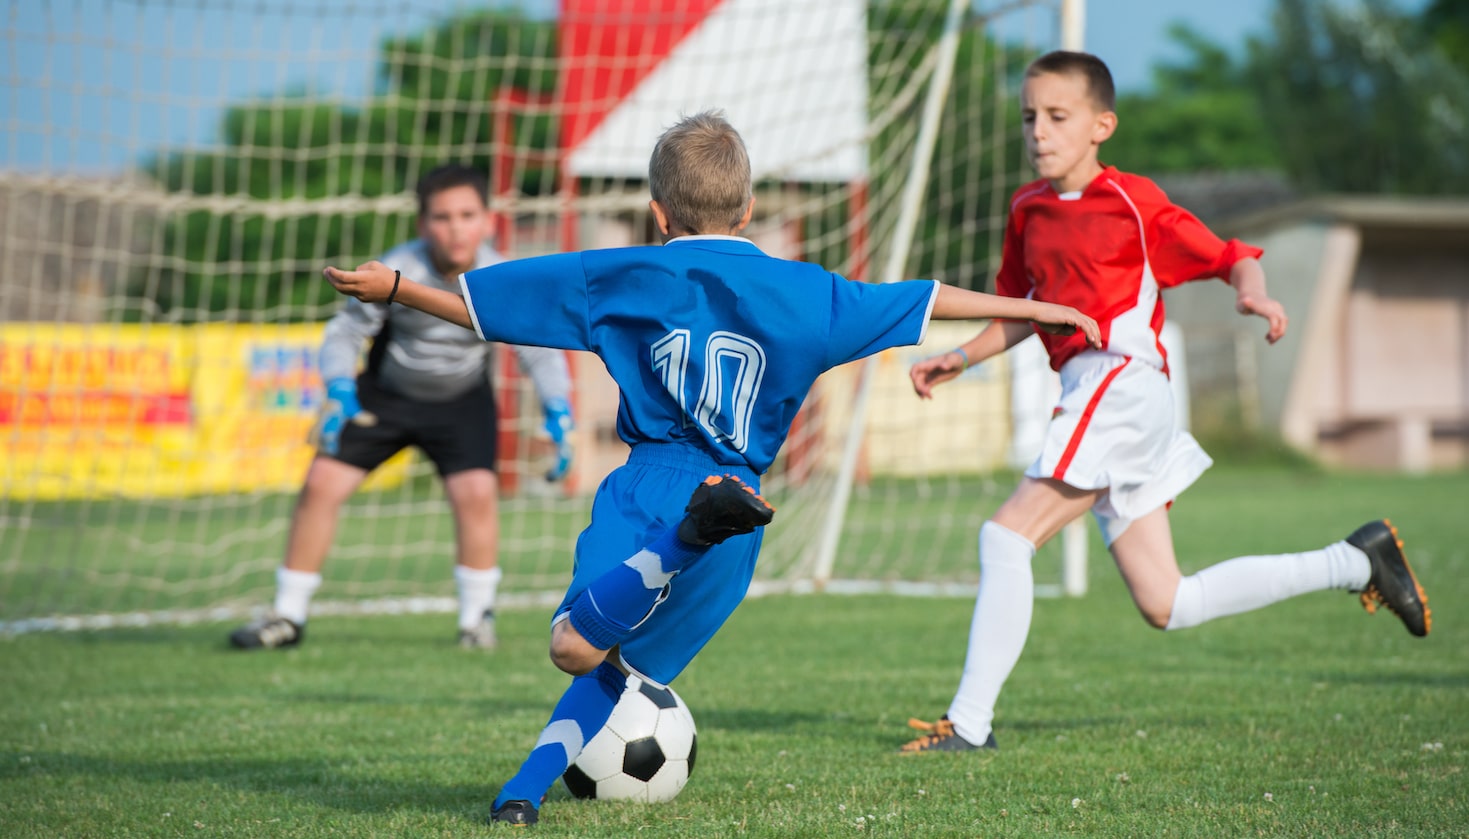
[712,342]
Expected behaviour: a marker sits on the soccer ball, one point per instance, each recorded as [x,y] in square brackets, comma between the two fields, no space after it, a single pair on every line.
[645,752]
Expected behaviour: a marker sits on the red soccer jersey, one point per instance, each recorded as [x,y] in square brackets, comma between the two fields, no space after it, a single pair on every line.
[1107,251]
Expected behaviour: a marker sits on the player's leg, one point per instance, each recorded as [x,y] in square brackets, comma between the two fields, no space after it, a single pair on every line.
[579,714]
[698,602]
[618,600]
[459,437]
[330,481]
[655,598]
[473,499]
[620,523]
[1144,555]
[1080,440]
[1168,600]
[1037,511]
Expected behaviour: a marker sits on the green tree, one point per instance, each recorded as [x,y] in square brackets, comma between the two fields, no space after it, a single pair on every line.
[1446,22]
[1340,98]
[1362,100]
[1199,116]
[435,100]
[979,159]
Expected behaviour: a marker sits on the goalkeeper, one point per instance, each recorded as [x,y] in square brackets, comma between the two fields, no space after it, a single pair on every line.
[428,384]
[1106,242]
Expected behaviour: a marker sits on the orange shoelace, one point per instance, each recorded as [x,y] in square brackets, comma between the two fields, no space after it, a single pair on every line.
[938,731]
[1371,598]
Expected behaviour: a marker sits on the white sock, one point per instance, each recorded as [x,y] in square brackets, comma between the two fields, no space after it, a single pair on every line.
[999,629]
[293,590]
[477,589]
[1249,582]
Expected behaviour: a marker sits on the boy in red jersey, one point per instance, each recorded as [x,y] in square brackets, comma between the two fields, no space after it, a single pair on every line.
[1106,242]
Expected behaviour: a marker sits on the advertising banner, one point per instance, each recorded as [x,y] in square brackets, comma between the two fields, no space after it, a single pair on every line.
[96,411]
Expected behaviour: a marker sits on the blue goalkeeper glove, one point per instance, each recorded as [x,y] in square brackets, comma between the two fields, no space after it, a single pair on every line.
[339,408]
[559,426]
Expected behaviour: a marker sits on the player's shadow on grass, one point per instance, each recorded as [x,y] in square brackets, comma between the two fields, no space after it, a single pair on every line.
[884,735]
[478,707]
[315,783]
[327,635]
[1446,681]
[756,719]
[123,635]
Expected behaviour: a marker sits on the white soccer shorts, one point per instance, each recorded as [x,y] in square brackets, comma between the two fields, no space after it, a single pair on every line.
[1114,429]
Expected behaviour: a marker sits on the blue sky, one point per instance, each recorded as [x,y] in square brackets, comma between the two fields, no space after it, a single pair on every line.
[92,84]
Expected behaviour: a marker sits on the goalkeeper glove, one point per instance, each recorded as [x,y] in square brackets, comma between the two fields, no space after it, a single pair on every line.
[338,409]
[558,426]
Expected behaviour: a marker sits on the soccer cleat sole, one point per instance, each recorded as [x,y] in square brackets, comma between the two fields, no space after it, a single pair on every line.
[1404,596]
[723,506]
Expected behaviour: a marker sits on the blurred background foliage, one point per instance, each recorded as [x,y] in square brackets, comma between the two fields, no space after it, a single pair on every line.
[1361,98]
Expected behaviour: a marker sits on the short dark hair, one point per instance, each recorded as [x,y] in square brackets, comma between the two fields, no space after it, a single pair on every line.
[449,176]
[1084,64]
[700,174]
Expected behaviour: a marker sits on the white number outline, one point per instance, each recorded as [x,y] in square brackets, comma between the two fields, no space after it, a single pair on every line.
[670,358]
[671,365]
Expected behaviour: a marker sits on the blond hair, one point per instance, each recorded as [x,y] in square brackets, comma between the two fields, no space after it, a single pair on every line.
[700,174]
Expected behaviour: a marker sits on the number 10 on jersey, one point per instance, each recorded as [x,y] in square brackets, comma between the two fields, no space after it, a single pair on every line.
[733,367]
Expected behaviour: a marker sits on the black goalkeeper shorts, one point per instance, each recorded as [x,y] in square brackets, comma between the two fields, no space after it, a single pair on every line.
[456,435]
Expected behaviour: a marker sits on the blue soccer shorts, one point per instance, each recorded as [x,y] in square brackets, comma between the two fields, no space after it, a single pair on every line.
[635,505]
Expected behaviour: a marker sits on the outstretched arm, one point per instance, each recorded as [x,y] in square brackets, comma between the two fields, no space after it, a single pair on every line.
[1248,279]
[954,303]
[997,337]
[373,282]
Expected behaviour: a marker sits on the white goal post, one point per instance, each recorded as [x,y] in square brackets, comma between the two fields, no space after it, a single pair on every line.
[1033,386]
[175,175]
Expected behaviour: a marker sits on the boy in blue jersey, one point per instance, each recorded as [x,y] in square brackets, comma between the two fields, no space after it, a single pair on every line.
[714,346]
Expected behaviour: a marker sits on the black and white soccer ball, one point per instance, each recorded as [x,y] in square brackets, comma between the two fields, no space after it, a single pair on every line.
[645,752]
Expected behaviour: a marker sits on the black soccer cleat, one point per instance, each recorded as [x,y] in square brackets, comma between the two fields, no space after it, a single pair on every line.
[940,736]
[270,632]
[516,812]
[1392,584]
[721,507]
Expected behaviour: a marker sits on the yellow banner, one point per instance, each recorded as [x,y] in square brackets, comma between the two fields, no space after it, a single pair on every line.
[149,411]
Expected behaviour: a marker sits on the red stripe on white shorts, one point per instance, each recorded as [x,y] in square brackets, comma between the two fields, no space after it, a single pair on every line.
[1086,417]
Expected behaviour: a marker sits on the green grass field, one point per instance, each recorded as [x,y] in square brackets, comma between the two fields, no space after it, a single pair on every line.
[1306,719]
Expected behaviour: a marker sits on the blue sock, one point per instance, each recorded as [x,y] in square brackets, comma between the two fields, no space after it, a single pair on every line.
[623,597]
[581,713]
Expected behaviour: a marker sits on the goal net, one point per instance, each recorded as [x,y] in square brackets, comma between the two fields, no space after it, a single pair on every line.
[176,174]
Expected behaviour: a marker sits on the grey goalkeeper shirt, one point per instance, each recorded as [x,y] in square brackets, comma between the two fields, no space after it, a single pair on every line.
[429,359]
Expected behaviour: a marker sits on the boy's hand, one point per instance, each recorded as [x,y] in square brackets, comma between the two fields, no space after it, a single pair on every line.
[1064,320]
[1267,308]
[930,372]
[372,282]
[339,408]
